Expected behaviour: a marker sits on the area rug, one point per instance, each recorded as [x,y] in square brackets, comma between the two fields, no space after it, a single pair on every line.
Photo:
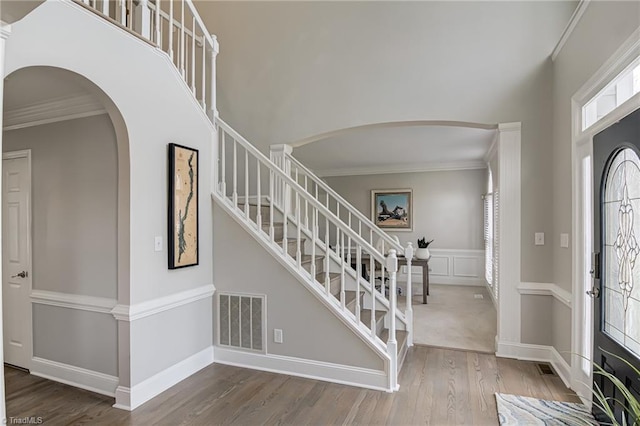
[520,410]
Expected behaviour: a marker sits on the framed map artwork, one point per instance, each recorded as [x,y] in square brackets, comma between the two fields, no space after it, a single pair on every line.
[183,206]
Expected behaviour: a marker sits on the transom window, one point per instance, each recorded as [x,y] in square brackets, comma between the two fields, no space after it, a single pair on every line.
[618,91]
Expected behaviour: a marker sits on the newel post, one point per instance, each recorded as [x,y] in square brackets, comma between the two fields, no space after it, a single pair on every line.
[408,253]
[278,154]
[142,15]
[213,108]
[392,344]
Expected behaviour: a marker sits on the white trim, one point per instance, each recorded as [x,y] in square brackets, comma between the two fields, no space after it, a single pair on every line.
[5,30]
[131,398]
[509,231]
[82,378]
[52,111]
[310,369]
[155,306]
[411,168]
[445,273]
[101,305]
[546,289]
[571,25]
[538,353]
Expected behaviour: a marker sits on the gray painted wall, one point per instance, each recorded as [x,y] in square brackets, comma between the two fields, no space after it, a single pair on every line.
[447,205]
[297,69]
[536,320]
[74,208]
[310,330]
[74,204]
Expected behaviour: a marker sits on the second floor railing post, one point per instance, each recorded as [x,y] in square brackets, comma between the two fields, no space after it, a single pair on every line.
[213,109]
[408,252]
[142,22]
[278,154]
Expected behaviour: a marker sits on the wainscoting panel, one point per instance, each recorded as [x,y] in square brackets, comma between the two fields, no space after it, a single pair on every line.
[449,266]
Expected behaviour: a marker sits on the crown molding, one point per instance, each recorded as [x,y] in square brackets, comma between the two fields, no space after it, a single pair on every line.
[52,111]
[571,25]
[5,30]
[383,170]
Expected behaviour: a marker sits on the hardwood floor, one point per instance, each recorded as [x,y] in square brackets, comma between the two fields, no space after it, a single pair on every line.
[437,387]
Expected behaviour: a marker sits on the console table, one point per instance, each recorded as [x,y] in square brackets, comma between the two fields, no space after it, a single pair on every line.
[424,263]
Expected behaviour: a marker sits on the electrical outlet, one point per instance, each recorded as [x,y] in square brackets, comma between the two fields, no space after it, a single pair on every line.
[564,240]
[158,244]
[277,335]
[539,238]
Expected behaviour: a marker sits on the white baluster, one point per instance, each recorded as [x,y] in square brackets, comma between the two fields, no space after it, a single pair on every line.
[158,24]
[358,275]
[342,274]
[215,154]
[235,174]
[408,252]
[271,198]
[392,344]
[123,12]
[193,56]
[203,83]
[105,7]
[142,23]
[285,213]
[259,190]
[299,231]
[327,282]
[337,229]
[372,282]
[306,205]
[170,52]
[182,42]
[247,206]
[314,239]
[223,164]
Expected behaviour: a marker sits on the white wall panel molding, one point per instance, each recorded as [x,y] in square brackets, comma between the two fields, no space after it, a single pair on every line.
[131,398]
[449,266]
[571,25]
[317,370]
[161,304]
[52,111]
[546,289]
[538,353]
[75,376]
[414,168]
[73,301]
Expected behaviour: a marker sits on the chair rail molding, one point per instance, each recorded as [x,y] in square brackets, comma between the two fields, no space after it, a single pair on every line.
[82,302]
[155,306]
[546,289]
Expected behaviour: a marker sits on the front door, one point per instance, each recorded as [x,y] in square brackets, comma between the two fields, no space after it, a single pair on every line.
[16,258]
[617,264]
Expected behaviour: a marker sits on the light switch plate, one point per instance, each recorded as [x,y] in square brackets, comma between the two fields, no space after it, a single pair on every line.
[539,238]
[564,240]
[158,244]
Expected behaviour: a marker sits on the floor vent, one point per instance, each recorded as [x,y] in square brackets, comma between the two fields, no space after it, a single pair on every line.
[241,321]
[545,369]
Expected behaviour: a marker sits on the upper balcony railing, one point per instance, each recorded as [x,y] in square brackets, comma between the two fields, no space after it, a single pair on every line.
[175,27]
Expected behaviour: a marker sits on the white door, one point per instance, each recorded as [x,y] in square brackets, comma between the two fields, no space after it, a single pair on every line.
[16,257]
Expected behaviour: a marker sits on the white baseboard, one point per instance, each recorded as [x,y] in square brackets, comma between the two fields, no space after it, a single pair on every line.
[74,376]
[317,370]
[539,353]
[131,398]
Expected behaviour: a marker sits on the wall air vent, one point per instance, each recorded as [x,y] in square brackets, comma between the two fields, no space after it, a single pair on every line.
[241,321]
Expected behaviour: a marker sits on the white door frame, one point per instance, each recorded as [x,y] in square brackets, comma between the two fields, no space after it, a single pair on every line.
[11,155]
[581,145]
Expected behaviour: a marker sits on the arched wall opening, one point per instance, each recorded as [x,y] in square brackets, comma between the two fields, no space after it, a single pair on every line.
[79,233]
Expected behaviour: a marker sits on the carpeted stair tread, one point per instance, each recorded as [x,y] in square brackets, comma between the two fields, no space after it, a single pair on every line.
[365,316]
[306,258]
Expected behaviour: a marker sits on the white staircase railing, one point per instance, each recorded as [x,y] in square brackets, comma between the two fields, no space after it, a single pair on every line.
[312,184]
[175,27]
[291,222]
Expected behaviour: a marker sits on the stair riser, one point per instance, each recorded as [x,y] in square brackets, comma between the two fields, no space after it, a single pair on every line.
[319,265]
[292,248]
[278,230]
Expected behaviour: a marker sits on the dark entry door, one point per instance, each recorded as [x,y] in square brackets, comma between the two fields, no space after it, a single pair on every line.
[616,154]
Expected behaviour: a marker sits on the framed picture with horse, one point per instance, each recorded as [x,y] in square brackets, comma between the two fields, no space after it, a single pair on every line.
[392,209]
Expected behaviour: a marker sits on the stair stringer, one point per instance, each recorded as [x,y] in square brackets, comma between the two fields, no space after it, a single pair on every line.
[329,302]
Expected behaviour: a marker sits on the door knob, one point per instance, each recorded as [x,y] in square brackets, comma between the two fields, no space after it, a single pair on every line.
[23,274]
[594,292]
